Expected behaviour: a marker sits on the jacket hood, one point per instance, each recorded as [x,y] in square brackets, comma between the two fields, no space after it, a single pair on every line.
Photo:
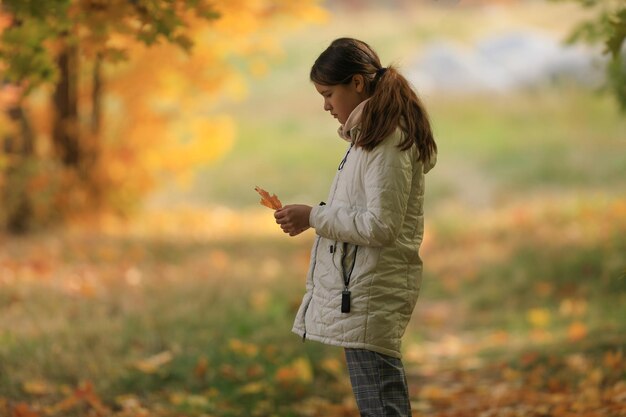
[349,130]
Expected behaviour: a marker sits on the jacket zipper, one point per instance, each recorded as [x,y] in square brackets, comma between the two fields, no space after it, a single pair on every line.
[341,164]
[317,243]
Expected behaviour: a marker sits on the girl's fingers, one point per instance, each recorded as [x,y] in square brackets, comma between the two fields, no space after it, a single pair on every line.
[281,217]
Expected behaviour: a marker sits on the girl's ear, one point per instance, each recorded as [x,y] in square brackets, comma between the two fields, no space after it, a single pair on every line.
[359,83]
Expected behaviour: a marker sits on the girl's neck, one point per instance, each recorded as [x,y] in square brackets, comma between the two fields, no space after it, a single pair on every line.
[353,120]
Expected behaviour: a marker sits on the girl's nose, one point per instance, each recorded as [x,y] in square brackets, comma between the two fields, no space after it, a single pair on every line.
[327,106]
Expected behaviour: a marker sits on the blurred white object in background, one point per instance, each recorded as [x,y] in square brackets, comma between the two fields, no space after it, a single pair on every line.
[504,62]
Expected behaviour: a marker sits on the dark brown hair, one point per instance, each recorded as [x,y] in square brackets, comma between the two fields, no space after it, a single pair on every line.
[393,102]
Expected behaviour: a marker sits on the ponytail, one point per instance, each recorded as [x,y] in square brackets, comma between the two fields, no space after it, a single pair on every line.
[393,104]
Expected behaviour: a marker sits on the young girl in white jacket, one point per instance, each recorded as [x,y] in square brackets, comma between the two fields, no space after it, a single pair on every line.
[365,271]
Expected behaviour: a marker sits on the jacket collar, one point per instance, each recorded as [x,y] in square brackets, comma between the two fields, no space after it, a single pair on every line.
[348,131]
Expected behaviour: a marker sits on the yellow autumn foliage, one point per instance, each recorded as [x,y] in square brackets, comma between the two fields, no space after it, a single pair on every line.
[161,118]
[164,113]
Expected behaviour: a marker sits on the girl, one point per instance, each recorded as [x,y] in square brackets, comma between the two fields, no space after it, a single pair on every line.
[365,270]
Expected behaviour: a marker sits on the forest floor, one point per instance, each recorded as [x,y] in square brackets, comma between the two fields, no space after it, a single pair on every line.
[128,323]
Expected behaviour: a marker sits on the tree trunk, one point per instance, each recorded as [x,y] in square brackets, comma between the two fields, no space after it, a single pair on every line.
[65,133]
[96,96]
[20,149]
[91,146]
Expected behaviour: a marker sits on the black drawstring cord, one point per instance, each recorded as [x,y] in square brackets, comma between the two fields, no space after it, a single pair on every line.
[343,161]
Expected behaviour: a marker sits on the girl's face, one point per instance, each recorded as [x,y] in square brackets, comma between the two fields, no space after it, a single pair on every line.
[341,99]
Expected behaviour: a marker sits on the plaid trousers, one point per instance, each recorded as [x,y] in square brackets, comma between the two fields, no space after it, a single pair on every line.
[379,384]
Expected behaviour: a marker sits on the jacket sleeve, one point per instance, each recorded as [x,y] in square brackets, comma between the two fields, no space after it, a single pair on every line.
[387,184]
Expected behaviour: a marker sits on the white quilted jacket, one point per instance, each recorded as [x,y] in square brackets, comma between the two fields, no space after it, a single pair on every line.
[370,229]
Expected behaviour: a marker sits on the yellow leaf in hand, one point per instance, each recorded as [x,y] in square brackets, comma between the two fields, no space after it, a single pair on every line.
[268,200]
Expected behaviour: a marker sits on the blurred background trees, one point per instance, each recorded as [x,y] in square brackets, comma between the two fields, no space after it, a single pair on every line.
[97,96]
[101,101]
[606,25]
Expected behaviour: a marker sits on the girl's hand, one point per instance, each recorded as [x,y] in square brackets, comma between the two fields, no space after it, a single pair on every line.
[293,218]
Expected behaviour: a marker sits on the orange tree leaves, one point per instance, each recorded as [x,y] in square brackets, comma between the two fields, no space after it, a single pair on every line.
[37,29]
[164,68]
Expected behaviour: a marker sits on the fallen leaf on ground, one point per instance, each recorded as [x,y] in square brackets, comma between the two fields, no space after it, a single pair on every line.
[85,393]
[153,363]
[201,368]
[297,371]
[23,410]
[576,331]
[252,388]
[38,387]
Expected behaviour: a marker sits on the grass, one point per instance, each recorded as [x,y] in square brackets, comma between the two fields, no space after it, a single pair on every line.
[516,145]
[82,307]
[203,302]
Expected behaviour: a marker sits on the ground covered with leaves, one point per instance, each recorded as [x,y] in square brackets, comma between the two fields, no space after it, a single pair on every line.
[521,314]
